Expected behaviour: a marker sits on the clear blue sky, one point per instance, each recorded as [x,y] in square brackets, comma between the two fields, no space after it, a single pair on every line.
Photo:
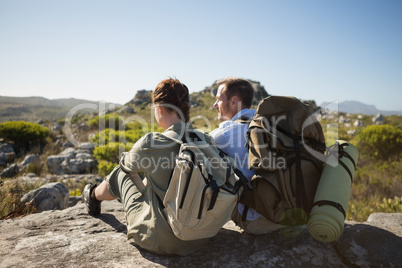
[108,49]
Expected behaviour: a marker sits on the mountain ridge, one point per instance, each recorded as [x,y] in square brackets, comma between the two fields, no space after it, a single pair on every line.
[357,107]
[38,100]
[36,108]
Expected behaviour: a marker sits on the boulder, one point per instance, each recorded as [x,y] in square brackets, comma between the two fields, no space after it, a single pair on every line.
[72,238]
[378,119]
[29,159]
[10,171]
[57,128]
[78,165]
[87,146]
[375,243]
[358,123]
[7,153]
[68,144]
[48,197]
[72,161]
[54,163]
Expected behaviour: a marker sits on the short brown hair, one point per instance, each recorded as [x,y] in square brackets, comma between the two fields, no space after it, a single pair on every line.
[171,91]
[236,86]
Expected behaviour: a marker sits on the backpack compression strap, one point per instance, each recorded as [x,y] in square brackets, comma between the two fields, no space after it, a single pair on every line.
[336,205]
[212,183]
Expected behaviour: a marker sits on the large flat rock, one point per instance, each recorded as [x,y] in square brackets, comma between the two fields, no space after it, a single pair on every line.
[72,238]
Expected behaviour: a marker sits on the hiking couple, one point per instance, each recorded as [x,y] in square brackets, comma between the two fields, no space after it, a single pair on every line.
[141,196]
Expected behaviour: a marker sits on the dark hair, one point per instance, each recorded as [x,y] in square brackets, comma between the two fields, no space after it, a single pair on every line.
[173,92]
[235,86]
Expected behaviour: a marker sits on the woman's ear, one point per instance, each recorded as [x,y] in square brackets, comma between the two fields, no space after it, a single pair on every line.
[161,109]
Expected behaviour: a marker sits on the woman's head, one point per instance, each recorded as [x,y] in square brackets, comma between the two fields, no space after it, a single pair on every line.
[174,96]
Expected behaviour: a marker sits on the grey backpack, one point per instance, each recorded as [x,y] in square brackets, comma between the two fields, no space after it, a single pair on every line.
[202,191]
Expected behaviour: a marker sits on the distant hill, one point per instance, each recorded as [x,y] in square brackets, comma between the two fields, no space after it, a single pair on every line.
[39,108]
[356,107]
[35,108]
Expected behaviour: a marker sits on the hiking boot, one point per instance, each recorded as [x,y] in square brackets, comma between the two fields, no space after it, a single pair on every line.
[93,205]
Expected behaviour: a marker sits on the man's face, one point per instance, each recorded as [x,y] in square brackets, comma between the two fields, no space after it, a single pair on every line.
[223,105]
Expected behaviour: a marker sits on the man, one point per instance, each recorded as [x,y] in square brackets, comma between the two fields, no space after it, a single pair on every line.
[233,102]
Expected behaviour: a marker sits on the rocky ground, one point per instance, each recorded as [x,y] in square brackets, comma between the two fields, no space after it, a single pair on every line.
[71,238]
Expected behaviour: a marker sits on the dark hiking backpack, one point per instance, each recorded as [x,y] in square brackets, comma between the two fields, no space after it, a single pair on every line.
[280,137]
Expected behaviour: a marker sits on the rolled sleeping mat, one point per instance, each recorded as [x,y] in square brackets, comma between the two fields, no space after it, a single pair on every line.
[331,199]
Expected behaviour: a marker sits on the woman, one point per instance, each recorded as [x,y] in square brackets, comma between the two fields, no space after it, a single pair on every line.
[153,155]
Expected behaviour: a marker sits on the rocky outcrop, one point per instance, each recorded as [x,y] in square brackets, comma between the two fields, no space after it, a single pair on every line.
[73,161]
[16,168]
[72,238]
[142,96]
[126,110]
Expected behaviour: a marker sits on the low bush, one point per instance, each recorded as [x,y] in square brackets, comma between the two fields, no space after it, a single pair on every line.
[360,210]
[105,167]
[23,134]
[107,121]
[112,136]
[111,152]
[380,142]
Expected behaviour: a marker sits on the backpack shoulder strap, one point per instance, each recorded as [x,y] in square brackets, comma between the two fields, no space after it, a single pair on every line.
[243,120]
[187,137]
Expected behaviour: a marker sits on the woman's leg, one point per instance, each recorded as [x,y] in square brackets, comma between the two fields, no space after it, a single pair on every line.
[92,195]
[116,185]
[102,193]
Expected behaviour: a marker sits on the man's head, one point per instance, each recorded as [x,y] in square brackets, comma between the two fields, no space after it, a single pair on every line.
[234,94]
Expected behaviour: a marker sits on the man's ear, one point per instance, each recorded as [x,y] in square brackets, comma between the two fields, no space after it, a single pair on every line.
[234,101]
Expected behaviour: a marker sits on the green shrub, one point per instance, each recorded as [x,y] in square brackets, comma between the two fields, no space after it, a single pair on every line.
[105,167]
[107,121]
[112,136]
[380,142]
[110,143]
[361,210]
[134,125]
[111,152]
[23,133]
